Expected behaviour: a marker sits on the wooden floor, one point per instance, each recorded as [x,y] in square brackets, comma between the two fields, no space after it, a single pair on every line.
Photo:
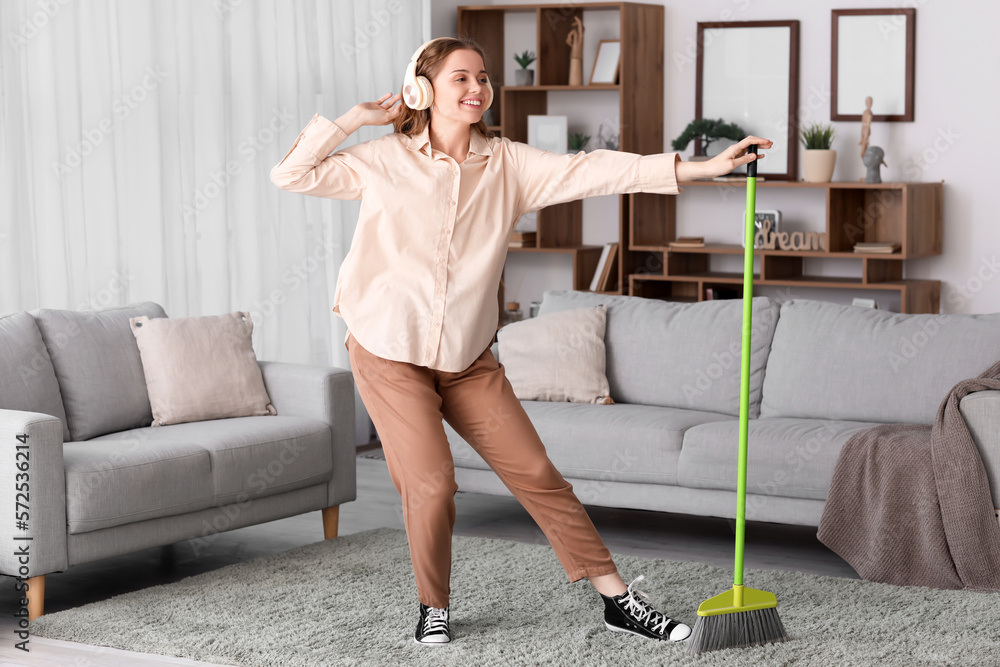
[640,533]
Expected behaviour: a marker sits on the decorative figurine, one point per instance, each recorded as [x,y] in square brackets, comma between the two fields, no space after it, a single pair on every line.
[866,127]
[873,158]
[575,41]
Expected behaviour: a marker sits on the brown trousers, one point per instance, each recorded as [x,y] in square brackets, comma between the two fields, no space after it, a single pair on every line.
[407,404]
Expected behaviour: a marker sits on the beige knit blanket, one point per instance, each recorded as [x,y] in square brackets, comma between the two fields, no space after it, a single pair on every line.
[911,504]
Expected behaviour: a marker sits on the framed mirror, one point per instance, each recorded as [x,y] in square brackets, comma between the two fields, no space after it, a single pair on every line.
[872,56]
[748,74]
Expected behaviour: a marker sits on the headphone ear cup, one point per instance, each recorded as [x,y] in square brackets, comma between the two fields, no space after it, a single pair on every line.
[426,94]
[489,96]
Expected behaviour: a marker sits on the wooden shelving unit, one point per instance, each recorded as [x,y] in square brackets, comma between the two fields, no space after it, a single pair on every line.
[909,214]
[640,103]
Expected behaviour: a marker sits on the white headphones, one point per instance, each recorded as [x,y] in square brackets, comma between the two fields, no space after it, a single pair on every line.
[417,90]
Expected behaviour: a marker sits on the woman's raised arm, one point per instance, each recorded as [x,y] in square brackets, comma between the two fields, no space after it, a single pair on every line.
[308,167]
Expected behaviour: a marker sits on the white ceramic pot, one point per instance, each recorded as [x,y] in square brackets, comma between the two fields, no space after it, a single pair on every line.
[817,164]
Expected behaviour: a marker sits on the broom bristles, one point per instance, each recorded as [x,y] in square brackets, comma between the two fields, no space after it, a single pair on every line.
[736,630]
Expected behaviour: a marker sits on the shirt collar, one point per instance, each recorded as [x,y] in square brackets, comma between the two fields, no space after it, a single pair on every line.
[478,144]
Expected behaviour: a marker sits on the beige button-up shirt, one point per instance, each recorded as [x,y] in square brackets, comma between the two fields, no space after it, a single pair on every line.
[420,280]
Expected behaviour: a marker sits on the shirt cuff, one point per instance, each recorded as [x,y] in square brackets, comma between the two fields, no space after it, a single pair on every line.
[321,136]
[658,173]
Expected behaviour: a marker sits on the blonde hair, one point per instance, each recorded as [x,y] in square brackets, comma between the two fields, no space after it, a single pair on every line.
[411,122]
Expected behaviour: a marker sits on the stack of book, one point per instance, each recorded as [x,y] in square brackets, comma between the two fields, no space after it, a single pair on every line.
[604,276]
[886,248]
[688,242]
[522,240]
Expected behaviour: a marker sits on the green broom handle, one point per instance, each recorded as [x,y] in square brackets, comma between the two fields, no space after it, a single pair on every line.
[741,479]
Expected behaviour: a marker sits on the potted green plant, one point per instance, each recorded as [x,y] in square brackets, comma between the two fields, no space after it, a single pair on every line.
[818,158]
[524,76]
[707,131]
[577,141]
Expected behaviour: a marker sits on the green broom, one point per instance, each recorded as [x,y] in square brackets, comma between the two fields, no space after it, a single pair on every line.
[740,616]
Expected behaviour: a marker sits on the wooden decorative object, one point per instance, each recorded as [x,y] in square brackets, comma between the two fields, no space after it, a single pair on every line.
[575,41]
[765,239]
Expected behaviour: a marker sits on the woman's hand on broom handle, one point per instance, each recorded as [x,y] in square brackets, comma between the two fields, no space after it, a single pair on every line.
[723,163]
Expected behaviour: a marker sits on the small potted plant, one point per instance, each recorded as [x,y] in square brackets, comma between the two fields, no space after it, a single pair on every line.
[577,141]
[707,130]
[818,158]
[524,76]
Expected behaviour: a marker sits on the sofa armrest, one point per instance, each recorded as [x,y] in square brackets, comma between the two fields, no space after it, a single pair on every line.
[43,477]
[325,393]
[981,411]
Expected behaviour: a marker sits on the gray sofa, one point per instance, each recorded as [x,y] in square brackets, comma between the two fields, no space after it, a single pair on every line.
[820,372]
[99,481]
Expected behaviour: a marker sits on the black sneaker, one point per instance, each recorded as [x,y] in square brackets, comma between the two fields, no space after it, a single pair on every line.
[433,626]
[630,613]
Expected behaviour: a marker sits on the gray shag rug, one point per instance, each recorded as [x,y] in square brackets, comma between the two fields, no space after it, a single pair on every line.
[352,601]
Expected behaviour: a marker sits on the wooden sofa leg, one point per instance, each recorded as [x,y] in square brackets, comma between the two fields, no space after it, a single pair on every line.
[36,597]
[331,516]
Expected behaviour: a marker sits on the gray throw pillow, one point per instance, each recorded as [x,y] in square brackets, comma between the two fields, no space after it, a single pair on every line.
[97,363]
[29,383]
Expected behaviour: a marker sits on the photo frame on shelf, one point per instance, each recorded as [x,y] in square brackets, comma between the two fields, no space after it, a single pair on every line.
[772,218]
[606,62]
[747,72]
[548,133]
[872,55]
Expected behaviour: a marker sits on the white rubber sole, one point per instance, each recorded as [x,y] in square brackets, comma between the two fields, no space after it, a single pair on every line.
[614,628]
[440,642]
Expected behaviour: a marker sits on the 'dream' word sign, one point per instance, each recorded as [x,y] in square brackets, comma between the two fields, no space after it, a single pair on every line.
[765,239]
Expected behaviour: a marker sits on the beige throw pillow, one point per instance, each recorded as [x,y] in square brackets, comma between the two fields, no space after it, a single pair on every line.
[200,368]
[557,357]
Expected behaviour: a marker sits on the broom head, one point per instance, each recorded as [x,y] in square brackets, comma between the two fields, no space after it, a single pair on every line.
[738,618]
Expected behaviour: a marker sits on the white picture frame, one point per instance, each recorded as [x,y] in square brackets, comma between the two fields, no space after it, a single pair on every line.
[606,62]
[548,133]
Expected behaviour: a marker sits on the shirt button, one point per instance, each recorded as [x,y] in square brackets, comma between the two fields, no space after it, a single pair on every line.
[452,202]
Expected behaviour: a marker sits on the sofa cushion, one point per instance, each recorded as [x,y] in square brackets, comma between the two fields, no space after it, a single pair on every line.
[151,472]
[678,355]
[251,457]
[132,478]
[831,361]
[557,357]
[29,382]
[200,368]
[98,367]
[792,458]
[621,443]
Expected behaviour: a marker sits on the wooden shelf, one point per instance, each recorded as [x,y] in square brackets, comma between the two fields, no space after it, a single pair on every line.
[831,185]
[638,92]
[732,249]
[595,86]
[576,249]
[909,214]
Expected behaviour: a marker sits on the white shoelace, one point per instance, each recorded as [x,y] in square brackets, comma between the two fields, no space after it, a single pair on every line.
[436,620]
[644,613]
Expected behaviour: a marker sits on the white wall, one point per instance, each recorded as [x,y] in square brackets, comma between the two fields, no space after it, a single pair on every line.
[950,140]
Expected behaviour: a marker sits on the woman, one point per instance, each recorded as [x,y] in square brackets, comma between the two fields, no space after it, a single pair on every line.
[417,290]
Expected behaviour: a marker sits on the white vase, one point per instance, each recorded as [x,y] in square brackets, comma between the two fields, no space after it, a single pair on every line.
[817,164]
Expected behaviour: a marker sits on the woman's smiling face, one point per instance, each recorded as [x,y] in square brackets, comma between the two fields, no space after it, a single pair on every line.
[460,91]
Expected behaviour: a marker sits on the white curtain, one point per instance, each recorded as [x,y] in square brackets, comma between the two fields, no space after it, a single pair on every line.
[136,139]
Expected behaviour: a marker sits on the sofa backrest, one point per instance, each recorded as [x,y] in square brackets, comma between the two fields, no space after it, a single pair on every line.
[28,380]
[832,361]
[96,361]
[679,355]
